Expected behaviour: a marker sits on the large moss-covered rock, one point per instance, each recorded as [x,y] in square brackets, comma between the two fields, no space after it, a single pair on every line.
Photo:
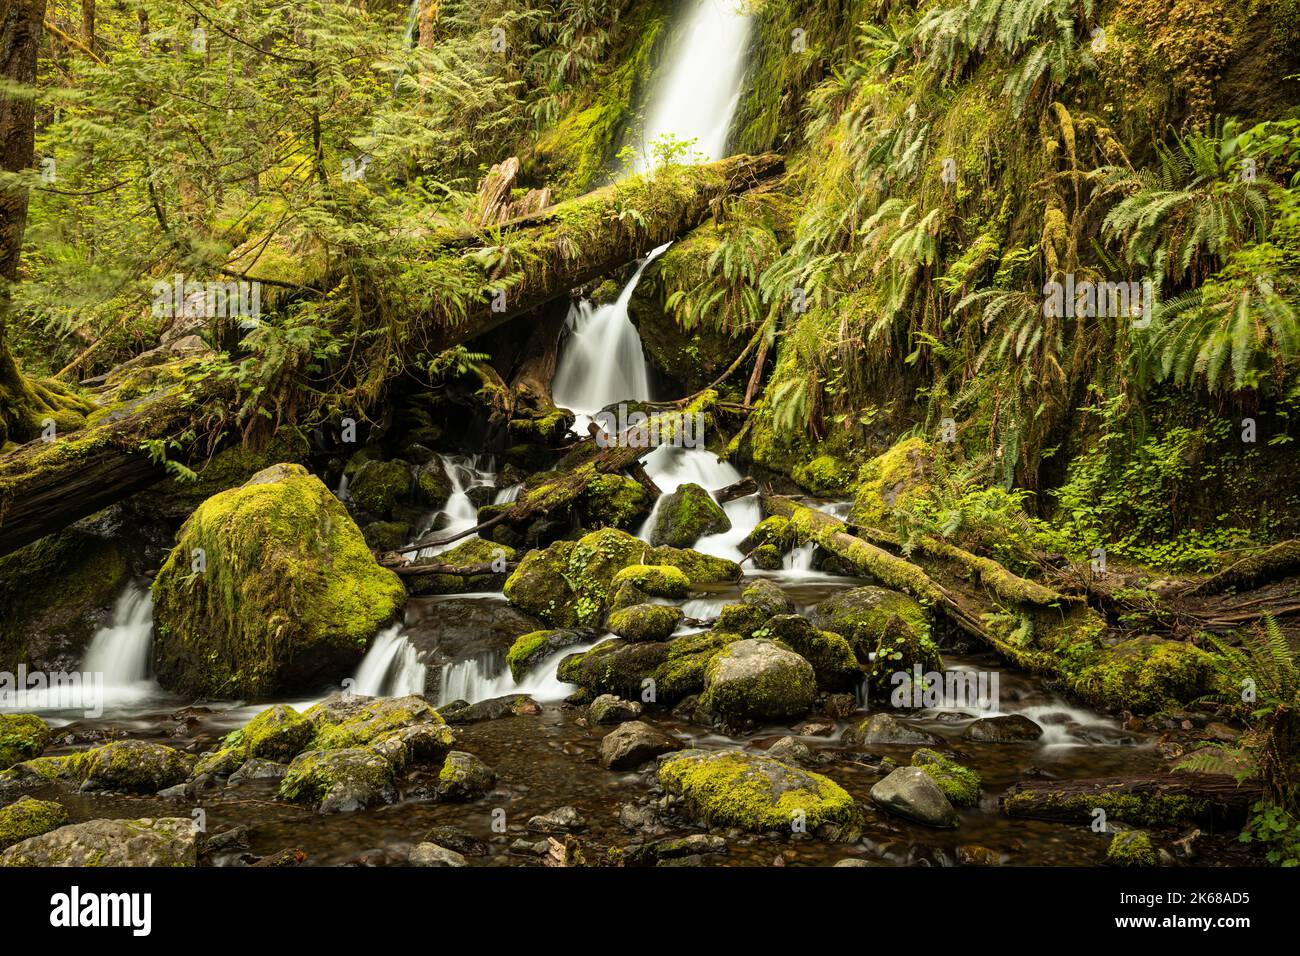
[26,818]
[351,720]
[913,793]
[959,784]
[1145,674]
[756,793]
[829,654]
[887,630]
[469,553]
[288,598]
[379,486]
[758,680]
[22,737]
[533,648]
[657,672]
[340,781]
[656,580]
[613,501]
[132,766]
[464,777]
[163,842]
[686,515]
[891,480]
[278,733]
[645,622]
[569,583]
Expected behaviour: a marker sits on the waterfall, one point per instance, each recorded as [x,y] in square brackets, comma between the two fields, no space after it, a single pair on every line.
[673,467]
[697,95]
[391,667]
[120,650]
[459,513]
[485,677]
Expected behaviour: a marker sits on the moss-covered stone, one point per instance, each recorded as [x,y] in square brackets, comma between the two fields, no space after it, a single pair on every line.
[829,654]
[339,781]
[746,620]
[469,553]
[26,818]
[132,766]
[767,596]
[959,784]
[464,777]
[758,680]
[613,501]
[432,485]
[656,580]
[531,649]
[772,530]
[890,480]
[615,667]
[278,733]
[686,515]
[887,631]
[349,720]
[22,737]
[1131,848]
[379,486]
[151,842]
[386,535]
[645,622]
[766,557]
[755,793]
[288,597]
[1147,674]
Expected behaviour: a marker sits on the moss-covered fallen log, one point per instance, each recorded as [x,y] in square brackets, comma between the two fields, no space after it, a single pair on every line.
[516,267]
[1163,799]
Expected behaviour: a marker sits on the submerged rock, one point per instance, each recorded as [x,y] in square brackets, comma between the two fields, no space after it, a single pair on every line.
[26,818]
[758,680]
[563,820]
[884,729]
[631,744]
[22,737]
[1007,728]
[686,515]
[458,840]
[911,792]
[494,708]
[163,842]
[755,793]
[288,595]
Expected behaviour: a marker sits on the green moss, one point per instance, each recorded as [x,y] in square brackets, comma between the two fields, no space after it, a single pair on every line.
[386,535]
[656,580]
[735,689]
[889,481]
[887,631]
[753,793]
[1153,809]
[531,649]
[645,622]
[829,654]
[27,818]
[825,475]
[684,669]
[357,722]
[380,485]
[743,619]
[131,766]
[613,501]
[354,772]
[1131,848]
[469,553]
[1145,674]
[686,515]
[277,733]
[766,557]
[22,737]
[289,597]
[959,784]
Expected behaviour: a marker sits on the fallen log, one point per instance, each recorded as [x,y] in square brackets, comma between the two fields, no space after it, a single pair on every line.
[518,266]
[1280,561]
[740,489]
[1161,799]
[458,570]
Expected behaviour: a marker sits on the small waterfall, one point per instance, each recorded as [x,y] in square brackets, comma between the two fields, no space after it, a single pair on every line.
[508,495]
[673,467]
[800,559]
[697,95]
[120,651]
[487,676]
[459,513]
[602,361]
[391,667]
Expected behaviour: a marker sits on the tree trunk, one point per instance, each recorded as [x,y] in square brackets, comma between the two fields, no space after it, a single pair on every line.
[1140,800]
[88,24]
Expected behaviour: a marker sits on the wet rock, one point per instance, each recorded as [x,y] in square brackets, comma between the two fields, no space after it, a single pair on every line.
[884,729]
[887,631]
[494,708]
[757,679]
[1131,848]
[959,784]
[633,743]
[742,619]
[167,841]
[386,535]
[563,820]
[467,554]
[352,720]
[22,737]
[378,486]
[464,777]
[768,597]
[608,709]
[756,793]
[258,769]
[696,844]
[766,557]
[655,580]
[832,660]
[686,515]
[910,792]
[430,854]
[790,750]
[294,610]
[130,766]
[815,728]
[278,733]
[852,862]
[645,622]
[1008,728]
[27,818]
[533,648]
[461,841]
[640,818]
[339,781]
[971,854]
[530,848]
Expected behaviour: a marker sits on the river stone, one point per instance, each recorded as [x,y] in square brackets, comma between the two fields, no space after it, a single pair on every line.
[533,648]
[633,743]
[132,766]
[609,709]
[792,750]
[289,597]
[884,729]
[655,580]
[645,622]
[768,597]
[909,791]
[563,820]
[377,487]
[686,515]
[278,733]
[887,631]
[829,654]
[166,841]
[22,737]
[464,777]
[755,793]
[1008,728]
[339,781]
[757,679]
[353,720]
[430,854]
[26,818]
[258,769]
[458,840]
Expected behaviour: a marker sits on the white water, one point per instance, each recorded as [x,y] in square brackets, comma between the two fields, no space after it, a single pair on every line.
[391,667]
[673,467]
[475,680]
[696,97]
[459,513]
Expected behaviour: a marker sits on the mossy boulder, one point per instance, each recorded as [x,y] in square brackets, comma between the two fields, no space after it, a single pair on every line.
[773,530]
[132,766]
[758,680]
[614,666]
[351,720]
[386,535]
[1146,674]
[278,733]
[464,777]
[645,622]
[613,501]
[743,619]
[288,596]
[22,737]
[432,484]
[890,480]
[686,665]
[888,632]
[767,596]
[959,784]
[469,553]
[686,515]
[756,793]
[378,487]
[1131,848]
[27,818]
[913,793]
[161,842]
[825,475]
[569,583]
[829,654]
[766,557]
[656,580]
[340,781]
[533,648]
